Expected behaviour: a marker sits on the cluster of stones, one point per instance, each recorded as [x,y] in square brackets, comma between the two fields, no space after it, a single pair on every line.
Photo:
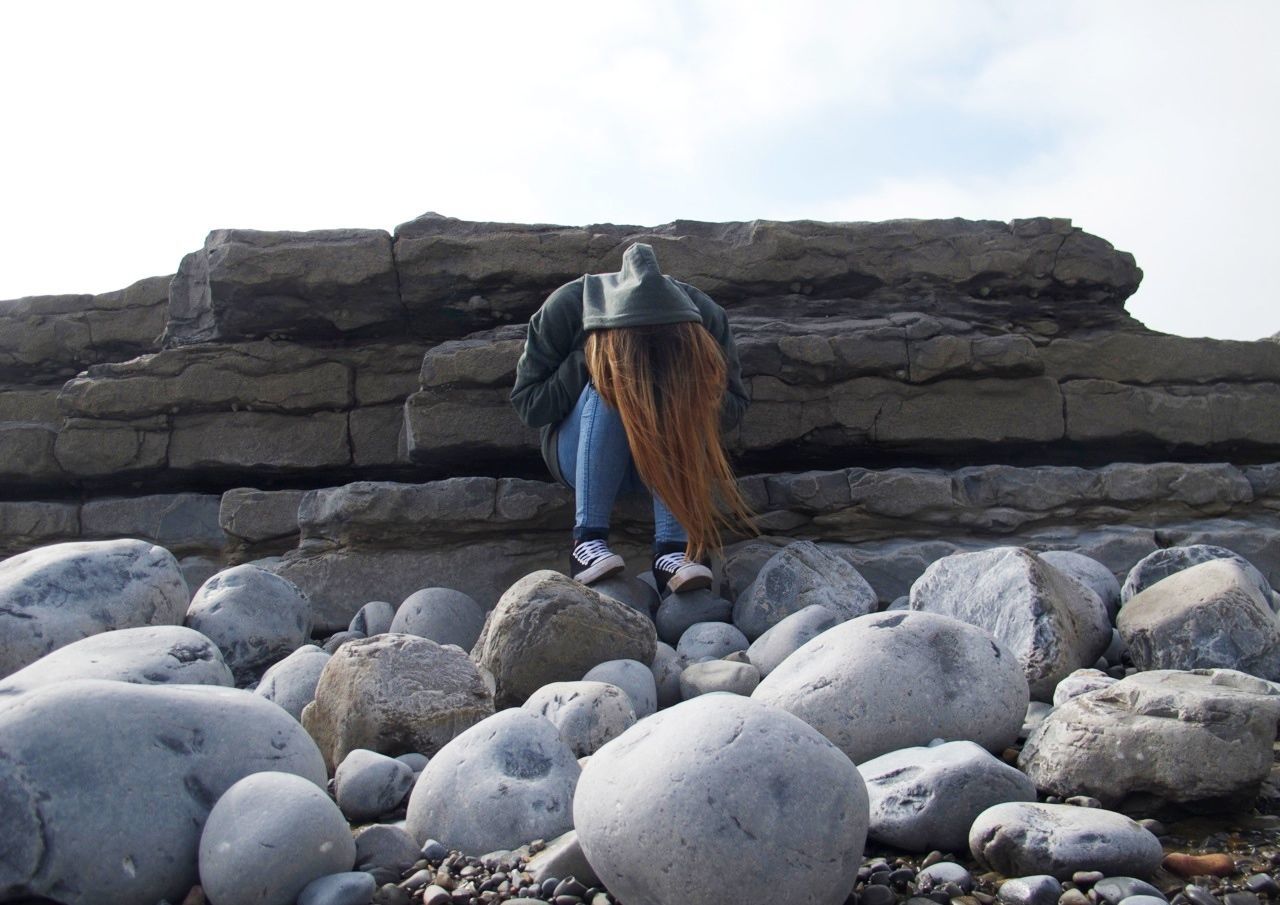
[1015,711]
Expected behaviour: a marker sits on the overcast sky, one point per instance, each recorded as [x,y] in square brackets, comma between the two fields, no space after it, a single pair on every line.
[132,129]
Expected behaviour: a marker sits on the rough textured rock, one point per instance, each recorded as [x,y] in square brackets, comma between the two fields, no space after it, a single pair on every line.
[722,790]
[1160,564]
[924,799]
[788,636]
[1022,839]
[374,618]
[634,678]
[291,682]
[1200,738]
[254,616]
[444,615]
[1082,681]
[887,681]
[548,628]
[148,655]
[801,575]
[107,785]
[394,694]
[1053,625]
[1204,616]
[54,595]
[504,782]
[587,714]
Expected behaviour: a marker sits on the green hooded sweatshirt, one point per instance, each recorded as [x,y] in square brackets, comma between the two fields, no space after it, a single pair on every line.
[552,371]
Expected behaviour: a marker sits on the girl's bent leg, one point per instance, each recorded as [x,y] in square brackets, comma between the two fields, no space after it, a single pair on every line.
[594,456]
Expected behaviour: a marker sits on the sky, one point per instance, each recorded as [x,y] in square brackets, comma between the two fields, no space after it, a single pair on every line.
[132,129]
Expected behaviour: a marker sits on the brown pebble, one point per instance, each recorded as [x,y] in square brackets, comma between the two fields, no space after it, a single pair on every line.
[1185,865]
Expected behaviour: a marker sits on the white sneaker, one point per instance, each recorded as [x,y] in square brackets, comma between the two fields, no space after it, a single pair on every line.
[592,560]
[675,572]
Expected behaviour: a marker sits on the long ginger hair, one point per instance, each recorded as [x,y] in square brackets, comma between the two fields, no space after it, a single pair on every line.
[667,382]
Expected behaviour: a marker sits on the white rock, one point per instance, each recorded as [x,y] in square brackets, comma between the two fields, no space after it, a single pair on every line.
[788,636]
[1023,838]
[587,714]
[718,675]
[1082,681]
[291,683]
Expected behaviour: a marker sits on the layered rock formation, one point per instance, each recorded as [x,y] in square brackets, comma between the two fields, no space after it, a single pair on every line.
[920,387]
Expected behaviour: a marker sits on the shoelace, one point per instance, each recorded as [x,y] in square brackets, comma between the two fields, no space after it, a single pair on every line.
[590,550]
[671,562]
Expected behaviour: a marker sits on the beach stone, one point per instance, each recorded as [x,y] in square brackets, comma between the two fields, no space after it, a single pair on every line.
[1025,838]
[1160,564]
[292,682]
[710,639]
[506,781]
[1053,625]
[1201,737]
[666,668]
[415,760]
[924,799]
[941,873]
[268,837]
[587,714]
[1213,864]
[374,618]
[1208,615]
[254,616]
[350,888]
[337,639]
[887,681]
[635,593]
[1038,890]
[383,847]
[633,677]
[1082,681]
[718,675]
[788,636]
[563,857]
[799,575]
[57,594]
[1090,573]
[105,786]
[444,615]
[368,784]
[548,628]
[147,655]
[394,694]
[722,789]
[1113,890]
[679,611]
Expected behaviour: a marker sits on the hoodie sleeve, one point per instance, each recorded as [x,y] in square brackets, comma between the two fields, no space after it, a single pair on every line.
[553,368]
[736,397]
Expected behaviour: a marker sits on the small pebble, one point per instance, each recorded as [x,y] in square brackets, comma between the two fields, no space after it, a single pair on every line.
[351,888]
[1240,898]
[434,851]
[435,895]
[1212,865]
[1154,827]
[569,887]
[549,887]
[1198,895]
[1074,897]
[932,858]
[390,894]
[901,877]
[1143,900]
[1035,890]
[1086,878]
[1262,884]
[876,895]
[943,872]
[1114,890]
[417,880]
[1084,801]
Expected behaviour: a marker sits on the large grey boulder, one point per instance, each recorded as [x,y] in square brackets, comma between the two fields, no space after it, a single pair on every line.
[374,618]
[1053,624]
[61,593]
[887,681]
[710,639]
[1201,738]
[254,616]
[1160,564]
[1208,615]
[444,615]
[924,799]
[1020,839]
[800,575]
[148,655]
[586,713]
[633,677]
[719,799]
[394,694]
[1089,572]
[268,837]
[368,784]
[504,782]
[105,786]
[292,682]
[549,628]
[788,636]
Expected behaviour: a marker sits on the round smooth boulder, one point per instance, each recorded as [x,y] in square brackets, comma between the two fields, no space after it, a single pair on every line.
[268,837]
[368,784]
[394,694]
[1053,624]
[350,888]
[1090,573]
[800,575]
[374,618]
[710,639]
[895,680]
[722,799]
[148,655]
[678,611]
[291,683]
[633,677]
[506,781]
[54,595]
[1160,564]
[105,786]
[788,636]
[924,799]
[1021,839]
[718,675]
[254,616]
[666,668]
[587,714]
[444,615]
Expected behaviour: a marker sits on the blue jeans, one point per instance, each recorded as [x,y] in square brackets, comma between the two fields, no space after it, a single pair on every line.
[595,459]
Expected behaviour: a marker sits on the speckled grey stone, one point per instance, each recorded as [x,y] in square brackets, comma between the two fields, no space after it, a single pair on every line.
[1160,564]
[788,636]
[291,682]
[368,784]
[1036,890]
[800,575]
[1082,681]
[718,675]
[710,639]
[587,714]
[386,847]
[444,615]
[633,677]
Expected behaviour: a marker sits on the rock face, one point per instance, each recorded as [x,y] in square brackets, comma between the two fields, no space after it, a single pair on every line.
[1201,739]
[1052,624]
[887,681]
[802,575]
[109,585]
[548,628]
[394,694]
[1205,616]
[107,785]
[718,799]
